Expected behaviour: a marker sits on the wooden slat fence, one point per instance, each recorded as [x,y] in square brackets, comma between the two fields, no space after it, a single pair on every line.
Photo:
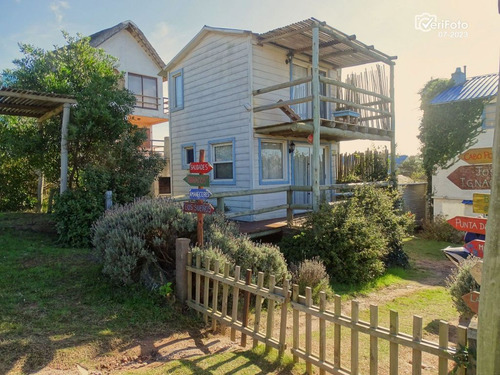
[371,165]
[211,280]
[232,311]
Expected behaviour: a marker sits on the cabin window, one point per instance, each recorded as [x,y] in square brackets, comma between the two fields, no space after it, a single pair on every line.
[176,100]
[222,157]
[272,161]
[145,90]
[187,156]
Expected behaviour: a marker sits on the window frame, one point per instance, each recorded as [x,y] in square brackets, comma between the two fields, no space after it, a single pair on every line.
[285,145]
[172,85]
[184,147]
[212,145]
[154,105]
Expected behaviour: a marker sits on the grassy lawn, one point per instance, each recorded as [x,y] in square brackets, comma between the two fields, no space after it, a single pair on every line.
[57,309]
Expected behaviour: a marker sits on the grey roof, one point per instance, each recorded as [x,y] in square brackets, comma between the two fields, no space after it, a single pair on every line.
[101,36]
[480,87]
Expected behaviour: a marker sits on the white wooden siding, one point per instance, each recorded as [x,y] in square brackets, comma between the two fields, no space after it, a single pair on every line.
[216,82]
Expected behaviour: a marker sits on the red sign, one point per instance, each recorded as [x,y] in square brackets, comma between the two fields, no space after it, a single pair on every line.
[310,139]
[198,208]
[472,300]
[476,248]
[472,177]
[469,224]
[201,167]
[478,156]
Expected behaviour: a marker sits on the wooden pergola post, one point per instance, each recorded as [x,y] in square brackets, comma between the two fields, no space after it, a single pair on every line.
[64,148]
[316,118]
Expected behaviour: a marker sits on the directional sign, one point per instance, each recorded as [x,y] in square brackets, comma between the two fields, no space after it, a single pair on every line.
[472,177]
[476,248]
[480,203]
[478,156]
[469,224]
[477,272]
[472,300]
[198,208]
[202,194]
[201,167]
[197,180]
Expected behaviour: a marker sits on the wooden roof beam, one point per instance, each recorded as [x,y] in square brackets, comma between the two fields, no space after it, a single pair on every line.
[284,35]
[50,114]
[38,97]
[359,46]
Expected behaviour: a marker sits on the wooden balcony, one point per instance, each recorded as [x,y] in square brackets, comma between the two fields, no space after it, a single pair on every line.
[354,113]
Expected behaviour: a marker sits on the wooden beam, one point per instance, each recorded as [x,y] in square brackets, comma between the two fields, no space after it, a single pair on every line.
[50,114]
[354,105]
[321,45]
[358,46]
[315,89]
[338,54]
[283,103]
[282,85]
[393,127]
[25,107]
[335,82]
[284,35]
[37,97]
[64,148]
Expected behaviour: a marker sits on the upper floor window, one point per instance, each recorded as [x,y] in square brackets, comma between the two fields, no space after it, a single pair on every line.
[176,86]
[145,90]
[187,156]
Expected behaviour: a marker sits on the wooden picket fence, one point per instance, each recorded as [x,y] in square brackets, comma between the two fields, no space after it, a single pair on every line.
[371,165]
[208,281]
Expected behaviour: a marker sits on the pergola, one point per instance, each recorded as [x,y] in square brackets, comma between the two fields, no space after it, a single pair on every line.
[42,106]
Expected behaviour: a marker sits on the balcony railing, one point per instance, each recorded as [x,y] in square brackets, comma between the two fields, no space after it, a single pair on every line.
[151,102]
[156,146]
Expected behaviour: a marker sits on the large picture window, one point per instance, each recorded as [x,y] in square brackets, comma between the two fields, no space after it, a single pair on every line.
[176,87]
[145,90]
[272,160]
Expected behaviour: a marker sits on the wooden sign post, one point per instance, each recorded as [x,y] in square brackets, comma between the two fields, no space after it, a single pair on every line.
[200,194]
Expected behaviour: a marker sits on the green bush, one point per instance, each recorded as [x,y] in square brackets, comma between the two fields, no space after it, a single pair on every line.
[75,211]
[461,282]
[312,273]
[213,254]
[356,239]
[440,230]
[247,254]
[137,241]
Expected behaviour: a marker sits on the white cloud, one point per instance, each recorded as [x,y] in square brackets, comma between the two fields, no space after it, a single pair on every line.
[57,8]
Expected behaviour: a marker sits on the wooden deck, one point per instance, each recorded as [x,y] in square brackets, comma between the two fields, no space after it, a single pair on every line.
[256,229]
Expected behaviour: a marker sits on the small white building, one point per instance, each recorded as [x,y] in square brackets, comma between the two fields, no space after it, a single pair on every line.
[247,100]
[449,200]
[140,63]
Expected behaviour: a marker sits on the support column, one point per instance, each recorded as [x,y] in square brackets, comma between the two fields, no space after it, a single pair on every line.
[393,128]
[64,148]
[316,118]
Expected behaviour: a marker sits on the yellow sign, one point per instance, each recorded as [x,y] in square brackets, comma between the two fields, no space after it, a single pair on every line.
[478,156]
[480,203]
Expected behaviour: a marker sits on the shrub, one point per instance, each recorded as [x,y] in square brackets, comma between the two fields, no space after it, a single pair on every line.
[75,211]
[247,254]
[312,273]
[213,254]
[461,282]
[137,241]
[440,230]
[356,239]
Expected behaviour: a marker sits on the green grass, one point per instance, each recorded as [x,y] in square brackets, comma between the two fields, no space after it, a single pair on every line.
[421,249]
[55,301]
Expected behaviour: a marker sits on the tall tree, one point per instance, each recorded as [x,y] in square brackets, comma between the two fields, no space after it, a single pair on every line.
[446,130]
[98,128]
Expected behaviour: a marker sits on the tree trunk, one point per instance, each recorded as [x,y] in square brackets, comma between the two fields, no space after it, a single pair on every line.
[430,203]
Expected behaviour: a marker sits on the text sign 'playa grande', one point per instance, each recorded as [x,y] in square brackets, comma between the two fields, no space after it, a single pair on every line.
[469,224]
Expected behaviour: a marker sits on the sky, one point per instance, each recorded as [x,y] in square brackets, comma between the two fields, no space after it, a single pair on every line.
[430,37]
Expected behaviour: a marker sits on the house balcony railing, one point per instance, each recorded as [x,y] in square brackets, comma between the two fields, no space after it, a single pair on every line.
[156,146]
[360,106]
[151,102]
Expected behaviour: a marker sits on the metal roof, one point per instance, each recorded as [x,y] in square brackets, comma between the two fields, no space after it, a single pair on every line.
[336,48]
[27,103]
[101,36]
[480,87]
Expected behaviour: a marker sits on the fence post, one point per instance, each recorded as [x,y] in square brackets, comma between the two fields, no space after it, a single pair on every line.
[246,307]
[181,250]
[220,205]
